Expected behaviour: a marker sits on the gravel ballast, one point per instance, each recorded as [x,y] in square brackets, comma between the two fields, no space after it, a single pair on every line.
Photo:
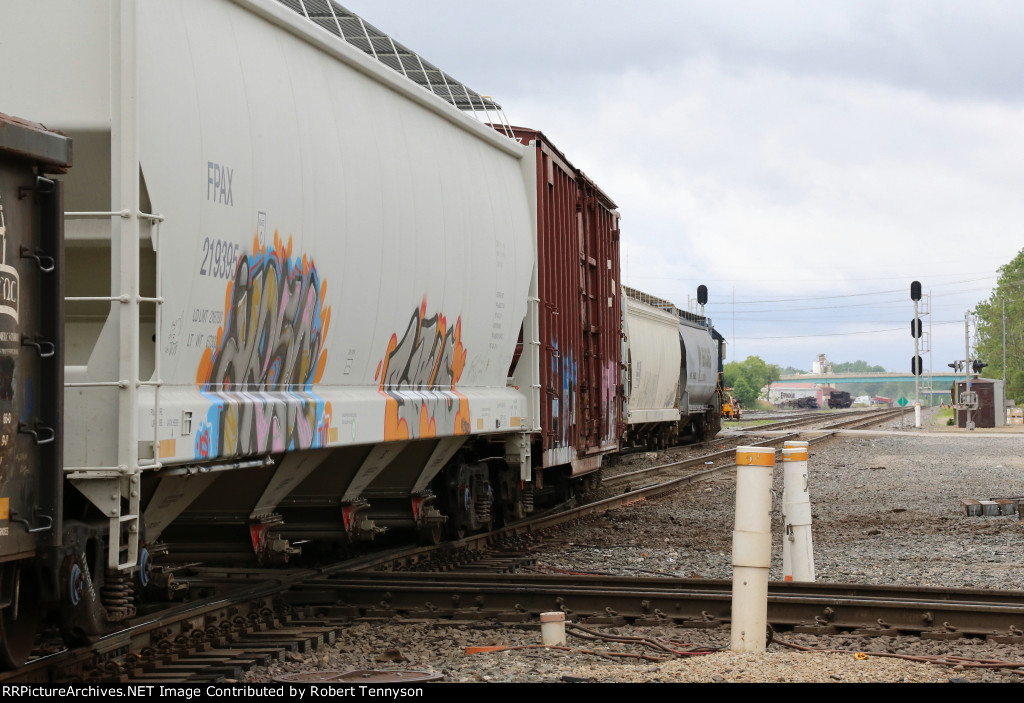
[886,510]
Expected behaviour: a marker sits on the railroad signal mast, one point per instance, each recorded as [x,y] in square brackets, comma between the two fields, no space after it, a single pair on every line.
[702,300]
[916,365]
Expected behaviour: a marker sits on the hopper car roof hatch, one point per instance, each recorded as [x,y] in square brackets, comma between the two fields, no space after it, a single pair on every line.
[356,32]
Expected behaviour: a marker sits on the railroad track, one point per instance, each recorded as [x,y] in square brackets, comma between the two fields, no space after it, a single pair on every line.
[795,420]
[312,610]
[718,460]
[823,608]
[251,615]
[848,416]
[789,421]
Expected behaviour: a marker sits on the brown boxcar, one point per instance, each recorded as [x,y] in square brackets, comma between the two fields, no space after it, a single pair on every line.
[580,318]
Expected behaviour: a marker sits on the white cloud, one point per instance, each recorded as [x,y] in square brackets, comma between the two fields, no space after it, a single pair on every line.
[768,148]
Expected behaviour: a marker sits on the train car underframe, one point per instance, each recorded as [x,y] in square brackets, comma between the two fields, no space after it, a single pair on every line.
[661,435]
[338,499]
[653,435]
[480,486]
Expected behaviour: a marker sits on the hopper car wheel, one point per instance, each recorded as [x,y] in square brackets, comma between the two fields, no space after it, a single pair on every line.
[431,533]
[19,620]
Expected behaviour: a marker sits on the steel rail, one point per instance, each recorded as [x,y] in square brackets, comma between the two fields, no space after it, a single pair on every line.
[244,596]
[620,478]
[815,607]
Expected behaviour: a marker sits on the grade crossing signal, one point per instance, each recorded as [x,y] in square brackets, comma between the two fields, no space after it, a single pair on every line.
[973,364]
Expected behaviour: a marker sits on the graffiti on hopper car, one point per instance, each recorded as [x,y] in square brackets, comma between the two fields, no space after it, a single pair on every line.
[268,354]
[418,375]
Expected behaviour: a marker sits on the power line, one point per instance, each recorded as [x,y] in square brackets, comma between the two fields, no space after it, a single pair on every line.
[759,301]
[832,321]
[808,280]
[874,303]
[843,334]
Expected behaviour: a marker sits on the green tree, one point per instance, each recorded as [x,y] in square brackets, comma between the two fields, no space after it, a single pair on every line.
[748,377]
[1005,303]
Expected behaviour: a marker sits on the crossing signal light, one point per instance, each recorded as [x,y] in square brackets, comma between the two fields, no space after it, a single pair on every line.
[915,365]
[915,290]
[915,328]
[977,366]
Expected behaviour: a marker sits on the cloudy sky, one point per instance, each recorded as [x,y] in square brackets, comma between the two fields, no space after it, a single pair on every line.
[805,160]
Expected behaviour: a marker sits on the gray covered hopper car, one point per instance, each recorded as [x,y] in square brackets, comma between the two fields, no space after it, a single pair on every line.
[673,363]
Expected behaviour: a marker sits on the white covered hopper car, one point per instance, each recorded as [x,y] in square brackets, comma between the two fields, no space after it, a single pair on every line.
[306,298]
[673,365]
[284,259]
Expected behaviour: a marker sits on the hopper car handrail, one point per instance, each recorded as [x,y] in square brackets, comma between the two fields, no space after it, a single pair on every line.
[96,384]
[115,213]
[192,469]
[158,300]
[87,215]
[112,299]
[155,219]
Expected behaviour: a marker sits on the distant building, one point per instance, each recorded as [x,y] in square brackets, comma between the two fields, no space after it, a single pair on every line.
[782,392]
[821,366]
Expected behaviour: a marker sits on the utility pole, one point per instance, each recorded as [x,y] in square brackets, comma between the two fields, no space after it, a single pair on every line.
[931,382]
[969,397]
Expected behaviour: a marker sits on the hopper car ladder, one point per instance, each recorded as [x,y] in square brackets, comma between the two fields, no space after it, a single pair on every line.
[106,486]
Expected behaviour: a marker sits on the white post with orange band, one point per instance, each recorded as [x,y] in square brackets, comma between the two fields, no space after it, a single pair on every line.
[752,548]
[797,545]
[552,629]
